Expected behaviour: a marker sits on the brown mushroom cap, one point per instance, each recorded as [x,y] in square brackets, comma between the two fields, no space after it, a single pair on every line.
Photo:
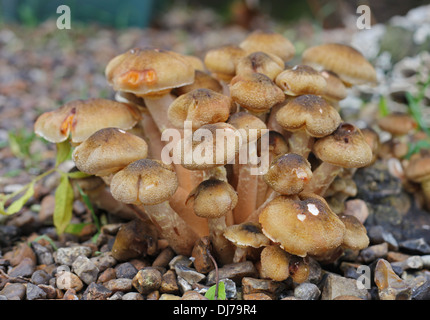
[81,118]
[301,79]
[274,263]
[418,169]
[373,140]
[108,151]
[335,90]
[288,174]
[245,122]
[398,123]
[200,106]
[265,93]
[222,61]
[195,62]
[246,234]
[355,233]
[201,80]
[213,198]
[345,147]
[269,42]
[261,62]
[206,149]
[311,113]
[144,181]
[302,224]
[348,63]
[149,71]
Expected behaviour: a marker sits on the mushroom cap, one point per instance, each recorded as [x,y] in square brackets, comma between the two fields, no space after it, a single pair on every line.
[200,106]
[222,61]
[246,234]
[355,233]
[213,198]
[274,263]
[288,174]
[145,181]
[373,140]
[348,63]
[418,169]
[81,118]
[149,71]
[345,147]
[335,90]
[108,151]
[398,123]
[195,62]
[212,145]
[269,42]
[265,93]
[301,79]
[249,125]
[278,145]
[311,113]
[261,62]
[201,80]
[302,224]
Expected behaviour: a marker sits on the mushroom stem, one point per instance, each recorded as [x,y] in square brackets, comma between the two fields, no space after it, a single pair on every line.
[253,217]
[173,228]
[240,254]
[301,143]
[222,247]
[152,135]
[157,107]
[247,188]
[425,186]
[322,177]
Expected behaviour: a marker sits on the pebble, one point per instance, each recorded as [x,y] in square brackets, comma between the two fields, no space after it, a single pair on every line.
[132,296]
[13,291]
[67,255]
[104,261]
[307,291]
[96,292]
[122,284]
[357,208]
[107,275]
[167,296]
[415,246]
[43,254]
[163,259]
[125,270]
[234,271]
[193,295]
[422,292]
[189,274]
[169,284]
[40,277]
[390,285]
[51,292]
[67,280]
[85,269]
[34,292]
[147,280]
[202,261]
[336,285]
[377,235]
[266,286]
[256,296]
[374,252]
[24,269]
[19,253]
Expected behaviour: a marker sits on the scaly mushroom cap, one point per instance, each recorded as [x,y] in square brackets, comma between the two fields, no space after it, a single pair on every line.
[200,106]
[398,123]
[144,181]
[311,113]
[249,125]
[81,118]
[261,62]
[301,79]
[222,61]
[348,63]
[355,233]
[345,147]
[213,198]
[149,71]
[418,168]
[265,93]
[288,174]
[302,224]
[274,263]
[195,62]
[201,80]
[246,234]
[269,42]
[108,151]
[212,145]
[335,89]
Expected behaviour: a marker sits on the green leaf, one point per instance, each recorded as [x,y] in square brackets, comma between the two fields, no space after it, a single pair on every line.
[383,107]
[63,152]
[63,204]
[210,294]
[45,237]
[19,203]
[78,175]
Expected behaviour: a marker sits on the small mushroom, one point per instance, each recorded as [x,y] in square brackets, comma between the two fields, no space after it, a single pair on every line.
[299,269]
[201,80]
[307,117]
[335,90]
[344,148]
[355,233]
[222,61]
[78,119]
[245,236]
[302,224]
[373,140]
[269,42]
[213,199]
[149,184]
[274,263]
[418,171]
[260,62]
[301,79]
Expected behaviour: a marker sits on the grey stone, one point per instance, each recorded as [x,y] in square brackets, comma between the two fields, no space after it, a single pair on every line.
[183,285]
[122,284]
[132,296]
[307,291]
[13,291]
[415,246]
[96,292]
[125,270]
[40,277]
[335,286]
[68,255]
[24,269]
[374,252]
[43,254]
[85,269]
[104,261]
[33,292]
[189,274]
[422,292]
[66,280]
[234,271]
[116,296]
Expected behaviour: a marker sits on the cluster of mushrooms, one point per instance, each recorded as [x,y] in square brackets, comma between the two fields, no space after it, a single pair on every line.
[278,218]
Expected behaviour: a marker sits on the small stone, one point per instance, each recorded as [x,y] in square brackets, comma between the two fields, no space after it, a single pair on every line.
[377,235]
[426,261]
[422,292]
[141,263]
[116,296]
[51,292]
[167,296]
[189,274]
[154,295]
[234,271]
[180,259]
[169,283]
[374,252]
[13,291]
[336,285]
[256,296]
[96,292]
[107,275]
[24,269]
[122,284]
[394,256]
[67,280]
[86,270]
[40,277]
[132,296]
[67,255]
[33,292]
[43,254]
[357,208]
[147,280]
[307,291]
[163,259]
[125,270]
[183,285]
[8,235]
[19,253]
[415,246]
[104,261]
[390,285]
[266,286]
[70,294]
[347,298]
[230,288]
[202,261]
[193,295]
